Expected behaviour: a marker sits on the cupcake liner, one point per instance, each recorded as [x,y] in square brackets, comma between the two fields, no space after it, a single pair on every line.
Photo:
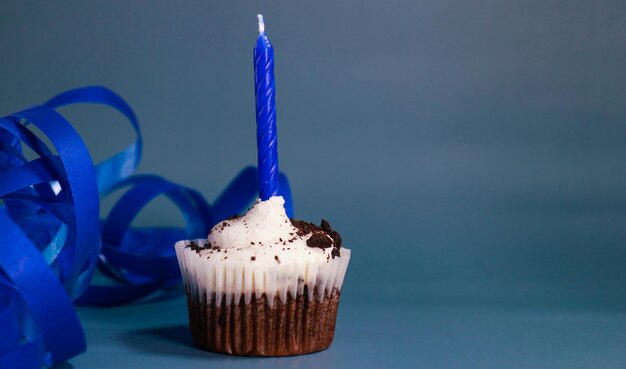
[231,279]
[241,308]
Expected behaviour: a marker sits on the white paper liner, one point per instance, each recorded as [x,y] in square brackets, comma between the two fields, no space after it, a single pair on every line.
[207,277]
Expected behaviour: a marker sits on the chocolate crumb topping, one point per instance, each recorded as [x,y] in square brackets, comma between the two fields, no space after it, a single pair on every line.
[322,237]
[332,233]
[195,247]
[223,225]
[304,228]
[319,240]
[277,259]
[253,258]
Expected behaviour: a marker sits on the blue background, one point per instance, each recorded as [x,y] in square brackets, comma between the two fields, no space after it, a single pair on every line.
[470,153]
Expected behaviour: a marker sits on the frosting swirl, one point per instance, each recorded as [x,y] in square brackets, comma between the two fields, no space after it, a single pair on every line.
[265,235]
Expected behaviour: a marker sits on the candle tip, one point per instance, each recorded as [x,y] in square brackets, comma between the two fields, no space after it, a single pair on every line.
[261,24]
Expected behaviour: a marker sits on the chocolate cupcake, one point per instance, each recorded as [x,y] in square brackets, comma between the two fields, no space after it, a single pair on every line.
[264,285]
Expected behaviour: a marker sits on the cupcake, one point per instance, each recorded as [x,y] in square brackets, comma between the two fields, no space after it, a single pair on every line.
[264,285]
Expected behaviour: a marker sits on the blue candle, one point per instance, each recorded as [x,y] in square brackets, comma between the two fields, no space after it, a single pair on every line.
[266,137]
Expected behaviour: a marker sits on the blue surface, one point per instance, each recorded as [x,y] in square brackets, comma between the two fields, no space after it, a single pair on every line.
[479,145]
[375,336]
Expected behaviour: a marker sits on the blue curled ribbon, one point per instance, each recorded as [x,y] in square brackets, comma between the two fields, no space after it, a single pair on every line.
[52,240]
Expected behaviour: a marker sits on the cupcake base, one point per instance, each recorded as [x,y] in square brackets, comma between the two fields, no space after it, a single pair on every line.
[297,326]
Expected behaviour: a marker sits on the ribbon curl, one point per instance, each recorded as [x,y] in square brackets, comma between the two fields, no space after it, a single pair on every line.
[52,240]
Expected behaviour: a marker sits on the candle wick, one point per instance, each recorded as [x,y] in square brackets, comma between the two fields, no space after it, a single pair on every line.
[261,24]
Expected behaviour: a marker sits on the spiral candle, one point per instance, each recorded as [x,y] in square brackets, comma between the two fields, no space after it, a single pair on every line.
[266,135]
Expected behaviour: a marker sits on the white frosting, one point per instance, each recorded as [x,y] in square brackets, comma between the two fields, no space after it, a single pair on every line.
[264,232]
[259,253]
